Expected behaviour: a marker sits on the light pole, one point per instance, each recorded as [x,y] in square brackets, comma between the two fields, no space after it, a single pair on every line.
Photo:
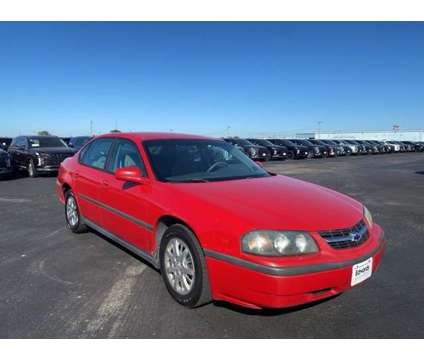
[227,130]
[319,129]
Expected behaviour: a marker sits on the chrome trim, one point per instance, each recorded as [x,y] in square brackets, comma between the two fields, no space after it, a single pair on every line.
[145,256]
[118,212]
[291,270]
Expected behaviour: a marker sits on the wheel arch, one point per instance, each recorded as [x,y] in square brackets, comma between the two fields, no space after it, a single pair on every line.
[66,187]
[163,223]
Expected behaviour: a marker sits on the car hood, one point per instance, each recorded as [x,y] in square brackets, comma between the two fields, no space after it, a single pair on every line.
[54,150]
[276,202]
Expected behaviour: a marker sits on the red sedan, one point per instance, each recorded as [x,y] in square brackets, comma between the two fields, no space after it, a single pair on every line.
[215,223]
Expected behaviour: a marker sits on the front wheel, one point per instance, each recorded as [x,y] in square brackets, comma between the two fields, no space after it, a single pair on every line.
[72,214]
[183,267]
[32,171]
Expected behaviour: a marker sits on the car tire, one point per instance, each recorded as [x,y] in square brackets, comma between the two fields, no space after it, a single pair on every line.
[190,290]
[72,214]
[32,171]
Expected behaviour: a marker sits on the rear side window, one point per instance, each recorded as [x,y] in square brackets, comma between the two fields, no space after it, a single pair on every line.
[126,154]
[96,154]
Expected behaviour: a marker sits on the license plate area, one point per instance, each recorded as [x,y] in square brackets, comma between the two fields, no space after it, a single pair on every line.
[361,271]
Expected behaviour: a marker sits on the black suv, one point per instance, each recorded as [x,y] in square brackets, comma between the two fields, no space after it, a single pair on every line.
[255,152]
[295,151]
[331,149]
[77,142]
[5,163]
[313,149]
[278,152]
[38,154]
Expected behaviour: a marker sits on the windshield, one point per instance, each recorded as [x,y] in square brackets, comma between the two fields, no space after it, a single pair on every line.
[192,160]
[262,142]
[241,142]
[46,142]
[305,142]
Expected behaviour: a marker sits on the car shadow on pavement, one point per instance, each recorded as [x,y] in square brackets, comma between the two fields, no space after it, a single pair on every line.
[419,172]
[271,311]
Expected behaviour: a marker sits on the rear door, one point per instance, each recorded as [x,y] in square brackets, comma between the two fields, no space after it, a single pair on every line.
[89,179]
[126,201]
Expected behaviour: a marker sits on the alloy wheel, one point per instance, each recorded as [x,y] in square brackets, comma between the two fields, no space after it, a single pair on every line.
[179,266]
[71,211]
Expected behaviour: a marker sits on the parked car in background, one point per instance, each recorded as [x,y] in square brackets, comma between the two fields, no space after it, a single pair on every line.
[394,146]
[331,150]
[362,150]
[409,145]
[278,152]
[38,154]
[295,151]
[255,152]
[340,151]
[5,163]
[313,149]
[371,147]
[350,149]
[419,146]
[77,142]
[380,146]
[216,224]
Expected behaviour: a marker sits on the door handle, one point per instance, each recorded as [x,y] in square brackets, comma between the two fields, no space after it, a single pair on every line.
[105,183]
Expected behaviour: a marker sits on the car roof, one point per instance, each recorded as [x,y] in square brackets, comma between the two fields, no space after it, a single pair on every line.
[142,136]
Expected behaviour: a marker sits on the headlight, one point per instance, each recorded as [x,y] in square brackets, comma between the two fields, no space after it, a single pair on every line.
[252,151]
[278,243]
[39,158]
[368,216]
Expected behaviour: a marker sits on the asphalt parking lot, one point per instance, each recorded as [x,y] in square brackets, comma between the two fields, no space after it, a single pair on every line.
[55,284]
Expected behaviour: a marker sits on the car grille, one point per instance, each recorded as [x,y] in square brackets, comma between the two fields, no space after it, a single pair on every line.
[55,159]
[346,238]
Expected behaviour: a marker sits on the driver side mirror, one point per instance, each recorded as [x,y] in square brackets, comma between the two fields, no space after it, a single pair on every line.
[132,174]
[259,163]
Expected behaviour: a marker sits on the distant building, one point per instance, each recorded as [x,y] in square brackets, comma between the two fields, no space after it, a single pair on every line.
[402,135]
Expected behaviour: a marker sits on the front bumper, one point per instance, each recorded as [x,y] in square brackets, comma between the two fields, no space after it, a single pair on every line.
[263,287]
[47,168]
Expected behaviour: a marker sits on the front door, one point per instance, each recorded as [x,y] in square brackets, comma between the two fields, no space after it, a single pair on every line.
[127,208]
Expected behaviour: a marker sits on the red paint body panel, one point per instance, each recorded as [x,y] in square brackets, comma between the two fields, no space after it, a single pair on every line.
[220,213]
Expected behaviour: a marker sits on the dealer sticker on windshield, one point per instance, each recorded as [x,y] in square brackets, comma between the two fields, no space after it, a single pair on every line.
[361,271]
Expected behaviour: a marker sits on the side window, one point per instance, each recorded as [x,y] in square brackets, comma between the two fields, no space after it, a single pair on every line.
[126,154]
[96,155]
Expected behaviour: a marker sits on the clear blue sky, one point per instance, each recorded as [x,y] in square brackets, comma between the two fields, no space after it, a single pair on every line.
[203,77]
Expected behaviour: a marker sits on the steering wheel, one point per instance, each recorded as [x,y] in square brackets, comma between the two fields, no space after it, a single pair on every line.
[216,165]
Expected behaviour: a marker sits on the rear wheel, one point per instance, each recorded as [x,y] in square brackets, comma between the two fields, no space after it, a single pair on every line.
[32,171]
[72,214]
[183,267]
